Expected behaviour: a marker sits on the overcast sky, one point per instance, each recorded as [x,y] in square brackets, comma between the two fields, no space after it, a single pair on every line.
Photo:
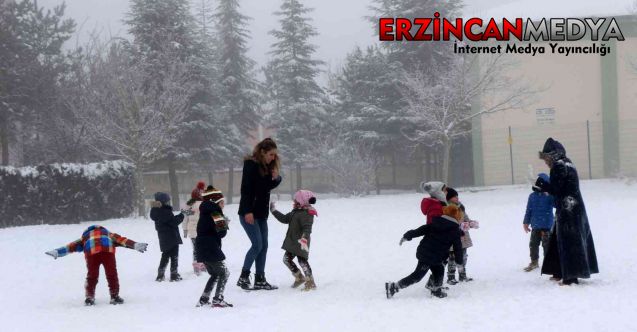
[341,23]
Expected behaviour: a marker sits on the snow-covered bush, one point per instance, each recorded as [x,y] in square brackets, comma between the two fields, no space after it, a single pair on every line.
[65,193]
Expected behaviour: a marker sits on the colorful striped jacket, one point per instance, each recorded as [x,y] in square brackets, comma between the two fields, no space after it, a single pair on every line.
[96,239]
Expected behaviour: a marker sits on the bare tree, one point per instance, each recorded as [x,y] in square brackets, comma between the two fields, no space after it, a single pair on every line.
[125,119]
[442,111]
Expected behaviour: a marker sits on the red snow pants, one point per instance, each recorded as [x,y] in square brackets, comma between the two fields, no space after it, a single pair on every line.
[93,263]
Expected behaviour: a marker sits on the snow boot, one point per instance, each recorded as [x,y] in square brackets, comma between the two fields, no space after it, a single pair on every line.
[220,303]
[438,292]
[299,279]
[532,266]
[309,284]
[464,278]
[175,277]
[430,285]
[89,301]
[203,300]
[117,300]
[261,284]
[244,280]
[391,288]
[451,279]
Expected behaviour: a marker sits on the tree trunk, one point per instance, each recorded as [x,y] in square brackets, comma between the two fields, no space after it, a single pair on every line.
[230,184]
[4,139]
[446,158]
[210,178]
[377,176]
[291,183]
[393,169]
[174,182]
[420,167]
[140,190]
[299,178]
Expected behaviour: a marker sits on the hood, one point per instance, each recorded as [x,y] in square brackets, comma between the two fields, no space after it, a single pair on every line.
[553,149]
[435,189]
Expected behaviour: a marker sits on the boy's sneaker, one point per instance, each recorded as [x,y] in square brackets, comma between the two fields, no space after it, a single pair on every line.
[116,300]
[451,280]
[160,278]
[439,293]
[244,281]
[220,303]
[203,300]
[391,288]
[532,266]
[261,284]
[464,278]
[175,277]
[89,301]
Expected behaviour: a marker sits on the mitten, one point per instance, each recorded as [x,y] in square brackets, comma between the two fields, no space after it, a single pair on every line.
[221,225]
[303,242]
[465,226]
[474,224]
[52,253]
[401,241]
[141,247]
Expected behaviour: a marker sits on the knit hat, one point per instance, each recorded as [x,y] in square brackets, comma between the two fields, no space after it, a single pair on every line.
[542,178]
[553,149]
[201,185]
[213,194]
[453,212]
[451,193]
[163,198]
[435,189]
[305,199]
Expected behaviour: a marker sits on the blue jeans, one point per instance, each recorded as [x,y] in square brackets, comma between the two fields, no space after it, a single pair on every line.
[258,234]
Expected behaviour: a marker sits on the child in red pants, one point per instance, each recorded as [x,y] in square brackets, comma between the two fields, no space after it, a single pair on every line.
[98,245]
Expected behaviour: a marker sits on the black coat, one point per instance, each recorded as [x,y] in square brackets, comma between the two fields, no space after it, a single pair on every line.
[440,235]
[255,190]
[208,242]
[571,252]
[166,224]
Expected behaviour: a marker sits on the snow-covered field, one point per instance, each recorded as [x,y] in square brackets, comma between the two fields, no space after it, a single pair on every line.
[354,251]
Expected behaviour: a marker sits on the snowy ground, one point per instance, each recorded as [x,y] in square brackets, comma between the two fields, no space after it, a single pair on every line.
[354,251]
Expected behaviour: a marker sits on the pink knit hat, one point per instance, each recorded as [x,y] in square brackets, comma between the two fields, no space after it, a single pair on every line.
[305,199]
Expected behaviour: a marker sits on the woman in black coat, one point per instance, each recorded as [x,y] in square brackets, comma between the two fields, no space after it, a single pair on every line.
[571,252]
[260,176]
[166,225]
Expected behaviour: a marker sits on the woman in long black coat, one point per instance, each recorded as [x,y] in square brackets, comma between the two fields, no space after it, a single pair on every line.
[571,252]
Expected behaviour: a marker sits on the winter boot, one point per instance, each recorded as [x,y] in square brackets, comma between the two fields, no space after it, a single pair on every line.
[569,282]
[532,266]
[309,284]
[244,280]
[261,284]
[89,301]
[391,288]
[160,275]
[220,303]
[430,285]
[117,300]
[438,292]
[298,279]
[175,277]
[451,279]
[464,278]
[203,300]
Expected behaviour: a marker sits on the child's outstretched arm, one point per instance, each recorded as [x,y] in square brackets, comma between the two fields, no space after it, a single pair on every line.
[75,246]
[283,218]
[420,231]
[128,243]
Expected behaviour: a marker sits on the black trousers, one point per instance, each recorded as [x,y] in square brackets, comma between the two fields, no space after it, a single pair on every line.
[218,275]
[421,270]
[538,236]
[173,256]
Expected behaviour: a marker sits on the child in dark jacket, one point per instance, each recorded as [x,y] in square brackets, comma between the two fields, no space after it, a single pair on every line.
[297,238]
[539,215]
[98,245]
[166,225]
[211,228]
[433,249]
[432,206]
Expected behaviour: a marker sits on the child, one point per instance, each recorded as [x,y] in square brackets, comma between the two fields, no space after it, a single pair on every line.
[539,214]
[432,206]
[433,249]
[465,224]
[99,245]
[297,238]
[166,224]
[190,225]
[211,228]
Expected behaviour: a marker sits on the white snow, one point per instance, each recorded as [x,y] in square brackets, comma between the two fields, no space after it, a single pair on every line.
[354,251]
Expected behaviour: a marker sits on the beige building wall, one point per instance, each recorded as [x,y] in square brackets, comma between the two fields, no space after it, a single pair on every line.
[627,98]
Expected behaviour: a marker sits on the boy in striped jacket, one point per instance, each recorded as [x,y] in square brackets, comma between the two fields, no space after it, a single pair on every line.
[98,245]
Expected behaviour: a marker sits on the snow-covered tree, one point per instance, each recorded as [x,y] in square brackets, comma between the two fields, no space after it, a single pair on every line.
[442,111]
[292,73]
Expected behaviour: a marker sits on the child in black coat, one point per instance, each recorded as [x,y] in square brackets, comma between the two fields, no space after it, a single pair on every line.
[211,228]
[433,249]
[166,225]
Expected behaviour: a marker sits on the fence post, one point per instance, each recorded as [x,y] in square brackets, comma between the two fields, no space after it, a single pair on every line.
[510,140]
[588,140]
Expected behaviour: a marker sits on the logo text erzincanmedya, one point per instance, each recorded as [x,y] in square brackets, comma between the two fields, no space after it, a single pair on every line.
[477,29]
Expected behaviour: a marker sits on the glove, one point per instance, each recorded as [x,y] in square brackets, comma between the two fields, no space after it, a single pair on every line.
[474,224]
[52,253]
[401,241]
[141,247]
[221,225]
[465,226]
[272,207]
[187,212]
[303,242]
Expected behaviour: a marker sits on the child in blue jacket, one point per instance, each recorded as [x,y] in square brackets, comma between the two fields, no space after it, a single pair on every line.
[539,215]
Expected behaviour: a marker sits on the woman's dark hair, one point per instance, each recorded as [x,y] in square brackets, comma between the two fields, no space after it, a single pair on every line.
[259,150]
